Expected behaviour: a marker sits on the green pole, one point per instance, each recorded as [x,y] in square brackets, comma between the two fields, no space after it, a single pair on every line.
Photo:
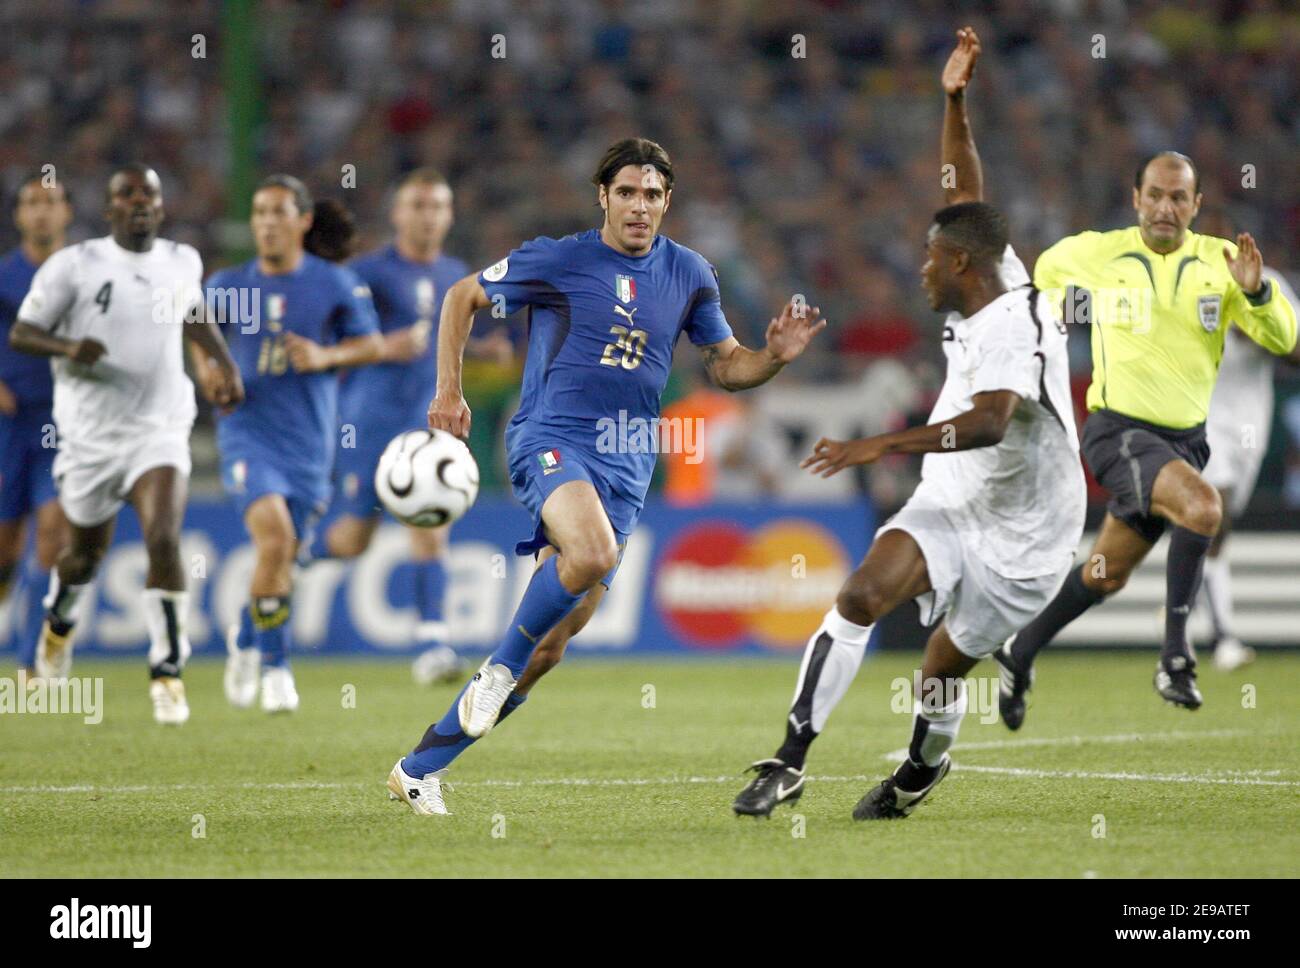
[241,82]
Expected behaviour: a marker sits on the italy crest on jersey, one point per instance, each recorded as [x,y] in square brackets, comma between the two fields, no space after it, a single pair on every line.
[1207,308]
[549,461]
[626,287]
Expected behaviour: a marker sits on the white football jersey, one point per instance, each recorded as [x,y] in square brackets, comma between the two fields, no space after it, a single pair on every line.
[135,304]
[1241,409]
[1020,503]
[1011,271]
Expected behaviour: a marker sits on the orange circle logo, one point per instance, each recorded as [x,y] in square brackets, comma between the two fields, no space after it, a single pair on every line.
[718,584]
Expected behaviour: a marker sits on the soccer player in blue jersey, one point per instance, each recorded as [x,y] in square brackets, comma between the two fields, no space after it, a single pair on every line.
[408,280]
[27,446]
[292,319]
[606,308]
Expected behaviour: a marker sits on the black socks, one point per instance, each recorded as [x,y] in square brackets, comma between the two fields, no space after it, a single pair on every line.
[1070,602]
[1187,551]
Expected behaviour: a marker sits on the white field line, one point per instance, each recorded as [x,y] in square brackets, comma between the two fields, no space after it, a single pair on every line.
[1217,777]
[1221,777]
[1029,741]
[1132,777]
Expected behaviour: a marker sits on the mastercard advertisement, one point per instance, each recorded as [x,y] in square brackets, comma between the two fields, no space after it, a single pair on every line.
[723,579]
[721,583]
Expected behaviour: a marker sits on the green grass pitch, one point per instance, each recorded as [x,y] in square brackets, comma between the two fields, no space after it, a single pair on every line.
[599,775]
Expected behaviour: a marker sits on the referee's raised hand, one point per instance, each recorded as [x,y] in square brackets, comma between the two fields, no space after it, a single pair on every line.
[1247,268]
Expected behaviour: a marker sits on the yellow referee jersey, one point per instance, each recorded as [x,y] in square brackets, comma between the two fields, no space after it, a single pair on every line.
[1159,321]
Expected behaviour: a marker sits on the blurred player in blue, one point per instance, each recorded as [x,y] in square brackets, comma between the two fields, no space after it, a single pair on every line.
[408,280]
[27,445]
[292,319]
[606,308]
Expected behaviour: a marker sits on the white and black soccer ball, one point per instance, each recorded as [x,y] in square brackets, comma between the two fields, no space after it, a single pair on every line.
[426,478]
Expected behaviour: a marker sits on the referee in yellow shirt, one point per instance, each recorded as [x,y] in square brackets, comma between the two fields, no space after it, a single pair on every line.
[1160,299]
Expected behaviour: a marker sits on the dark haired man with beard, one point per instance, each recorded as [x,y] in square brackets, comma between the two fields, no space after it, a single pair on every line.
[606,308]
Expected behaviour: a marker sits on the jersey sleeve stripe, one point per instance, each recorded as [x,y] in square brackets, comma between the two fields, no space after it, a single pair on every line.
[1043,396]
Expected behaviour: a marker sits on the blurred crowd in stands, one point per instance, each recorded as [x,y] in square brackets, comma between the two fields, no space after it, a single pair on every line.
[805,134]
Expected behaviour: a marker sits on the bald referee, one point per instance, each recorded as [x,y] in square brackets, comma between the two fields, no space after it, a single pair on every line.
[1160,298]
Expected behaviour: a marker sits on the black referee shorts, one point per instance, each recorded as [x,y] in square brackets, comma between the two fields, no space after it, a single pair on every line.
[1126,454]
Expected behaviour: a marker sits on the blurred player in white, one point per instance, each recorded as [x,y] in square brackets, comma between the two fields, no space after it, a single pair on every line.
[111,313]
[1241,415]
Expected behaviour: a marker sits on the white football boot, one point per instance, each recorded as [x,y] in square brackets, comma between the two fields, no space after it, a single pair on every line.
[439,664]
[278,692]
[481,703]
[53,654]
[169,705]
[422,796]
[242,668]
[1230,653]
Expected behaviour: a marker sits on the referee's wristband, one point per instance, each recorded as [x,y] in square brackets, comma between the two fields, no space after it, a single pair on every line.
[1259,296]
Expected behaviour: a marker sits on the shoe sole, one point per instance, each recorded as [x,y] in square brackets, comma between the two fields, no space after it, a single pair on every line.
[395,789]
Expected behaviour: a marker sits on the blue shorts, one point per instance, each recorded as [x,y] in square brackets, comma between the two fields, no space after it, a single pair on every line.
[533,483]
[26,475]
[354,467]
[247,478]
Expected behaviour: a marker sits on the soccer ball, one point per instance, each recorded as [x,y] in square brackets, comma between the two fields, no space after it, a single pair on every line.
[426,478]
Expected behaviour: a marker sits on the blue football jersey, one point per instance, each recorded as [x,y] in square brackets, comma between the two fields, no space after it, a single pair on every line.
[287,417]
[26,375]
[602,327]
[405,293]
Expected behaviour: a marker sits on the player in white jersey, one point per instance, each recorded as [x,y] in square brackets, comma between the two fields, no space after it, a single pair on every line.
[990,533]
[110,314]
[1241,415]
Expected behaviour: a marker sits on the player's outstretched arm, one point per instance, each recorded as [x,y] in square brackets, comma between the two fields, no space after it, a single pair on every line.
[448,410]
[736,367]
[961,173]
[29,338]
[984,425]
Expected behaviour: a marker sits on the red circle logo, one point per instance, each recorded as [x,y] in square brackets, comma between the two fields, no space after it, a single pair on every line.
[718,584]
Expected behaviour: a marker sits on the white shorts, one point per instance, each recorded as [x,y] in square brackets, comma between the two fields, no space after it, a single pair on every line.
[1233,467]
[94,486]
[982,608]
